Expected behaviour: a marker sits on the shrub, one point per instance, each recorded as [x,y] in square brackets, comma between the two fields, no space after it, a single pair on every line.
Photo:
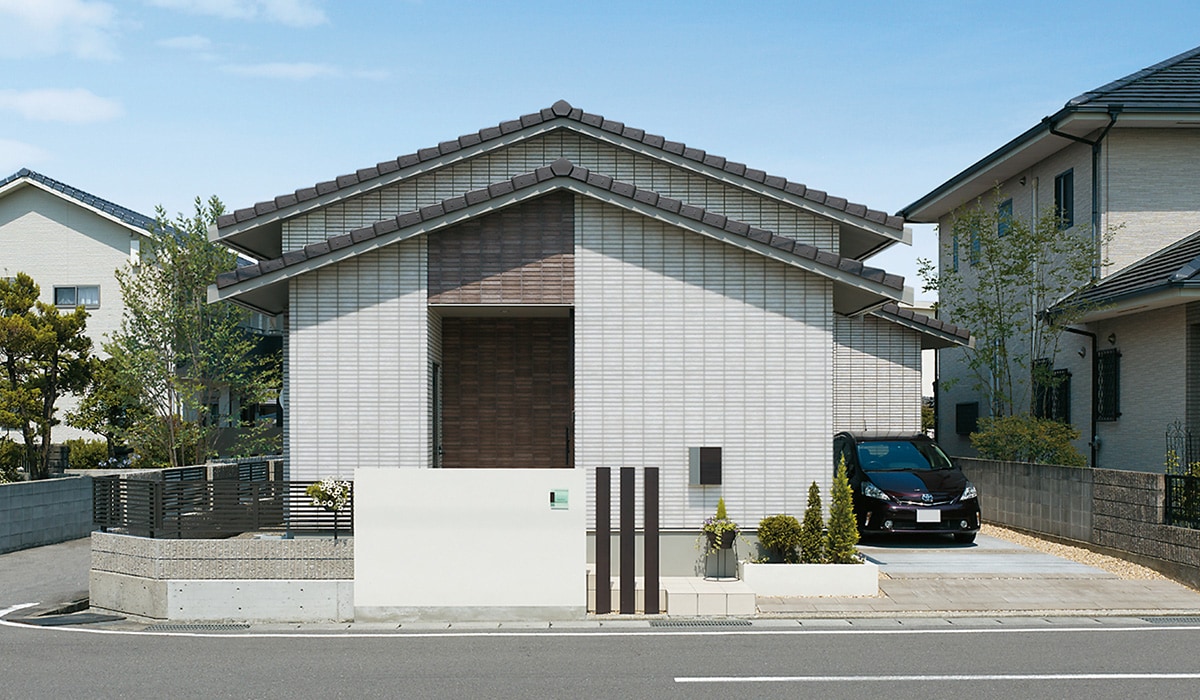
[1025,438]
[842,539]
[10,460]
[780,536]
[86,454]
[812,532]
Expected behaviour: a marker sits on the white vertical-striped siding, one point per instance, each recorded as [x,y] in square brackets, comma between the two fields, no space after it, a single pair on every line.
[358,364]
[877,376]
[527,156]
[682,341]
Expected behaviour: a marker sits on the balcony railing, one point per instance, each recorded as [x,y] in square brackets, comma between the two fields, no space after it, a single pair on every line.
[212,509]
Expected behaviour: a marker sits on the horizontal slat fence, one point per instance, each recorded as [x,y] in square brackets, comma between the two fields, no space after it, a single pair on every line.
[198,509]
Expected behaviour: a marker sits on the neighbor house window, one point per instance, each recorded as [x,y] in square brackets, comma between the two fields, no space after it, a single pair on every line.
[966,417]
[88,297]
[954,252]
[1108,385]
[1064,199]
[1004,217]
[1051,392]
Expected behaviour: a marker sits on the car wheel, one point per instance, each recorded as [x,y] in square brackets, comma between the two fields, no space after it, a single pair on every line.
[964,537]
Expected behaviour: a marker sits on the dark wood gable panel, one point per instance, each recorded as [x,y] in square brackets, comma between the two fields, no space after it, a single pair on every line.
[521,255]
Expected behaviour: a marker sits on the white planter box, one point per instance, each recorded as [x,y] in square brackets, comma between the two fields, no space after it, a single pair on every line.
[811,579]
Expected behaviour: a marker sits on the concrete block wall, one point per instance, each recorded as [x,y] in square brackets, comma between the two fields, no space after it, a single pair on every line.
[36,513]
[1111,509]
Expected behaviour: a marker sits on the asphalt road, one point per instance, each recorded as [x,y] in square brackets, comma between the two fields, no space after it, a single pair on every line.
[926,659]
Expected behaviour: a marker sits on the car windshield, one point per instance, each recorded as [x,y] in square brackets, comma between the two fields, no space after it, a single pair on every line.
[901,455]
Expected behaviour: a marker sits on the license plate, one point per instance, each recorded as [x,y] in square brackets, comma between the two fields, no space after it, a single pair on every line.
[929,516]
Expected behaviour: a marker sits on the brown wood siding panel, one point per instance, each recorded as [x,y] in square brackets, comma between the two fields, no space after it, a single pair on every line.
[507,392]
[521,255]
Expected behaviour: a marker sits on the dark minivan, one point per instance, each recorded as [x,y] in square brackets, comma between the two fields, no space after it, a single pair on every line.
[905,483]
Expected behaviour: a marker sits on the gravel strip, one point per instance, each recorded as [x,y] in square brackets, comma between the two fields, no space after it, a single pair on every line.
[1113,565]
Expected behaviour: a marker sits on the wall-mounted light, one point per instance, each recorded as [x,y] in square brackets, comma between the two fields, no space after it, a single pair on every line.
[1082,351]
[1022,181]
[1112,338]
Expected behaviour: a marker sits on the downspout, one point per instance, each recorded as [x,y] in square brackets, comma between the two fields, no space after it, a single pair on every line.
[1094,439]
[1113,111]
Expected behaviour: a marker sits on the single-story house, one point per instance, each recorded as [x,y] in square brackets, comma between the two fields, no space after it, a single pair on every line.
[563,292]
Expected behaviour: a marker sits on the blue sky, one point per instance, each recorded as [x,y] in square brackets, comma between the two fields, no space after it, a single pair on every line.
[155,102]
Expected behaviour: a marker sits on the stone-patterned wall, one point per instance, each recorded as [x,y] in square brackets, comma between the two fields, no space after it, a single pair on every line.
[317,558]
[34,513]
[521,255]
[1118,510]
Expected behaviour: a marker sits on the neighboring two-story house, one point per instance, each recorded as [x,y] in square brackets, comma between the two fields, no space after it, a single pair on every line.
[1121,160]
[71,243]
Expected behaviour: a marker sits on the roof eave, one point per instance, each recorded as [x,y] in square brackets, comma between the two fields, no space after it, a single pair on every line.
[853,294]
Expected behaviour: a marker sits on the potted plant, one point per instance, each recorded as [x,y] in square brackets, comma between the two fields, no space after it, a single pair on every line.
[332,495]
[719,530]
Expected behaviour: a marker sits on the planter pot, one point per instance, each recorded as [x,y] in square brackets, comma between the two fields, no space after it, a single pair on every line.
[811,579]
[727,539]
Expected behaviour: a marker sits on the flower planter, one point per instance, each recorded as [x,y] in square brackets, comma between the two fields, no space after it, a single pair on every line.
[727,539]
[811,579]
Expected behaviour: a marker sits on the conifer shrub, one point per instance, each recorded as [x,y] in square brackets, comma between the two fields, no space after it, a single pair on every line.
[842,539]
[812,531]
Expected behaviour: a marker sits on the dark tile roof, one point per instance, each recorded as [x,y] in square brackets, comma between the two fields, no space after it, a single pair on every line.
[561,168]
[562,110]
[128,216]
[920,319]
[1171,84]
[1177,265]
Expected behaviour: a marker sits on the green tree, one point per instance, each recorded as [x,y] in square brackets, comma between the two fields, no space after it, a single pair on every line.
[182,352]
[45,354]
[1027,439]
[112,404]
[812,529]
[841,542]
[1009,272]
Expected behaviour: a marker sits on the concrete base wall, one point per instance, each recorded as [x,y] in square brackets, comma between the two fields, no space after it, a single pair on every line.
[1108,509]
[36,513]
[245,580]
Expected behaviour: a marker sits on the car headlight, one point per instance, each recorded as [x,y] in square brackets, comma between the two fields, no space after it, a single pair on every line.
[872,491]
[969,492]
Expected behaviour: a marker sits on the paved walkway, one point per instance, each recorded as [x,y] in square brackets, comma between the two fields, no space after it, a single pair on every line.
[55,573]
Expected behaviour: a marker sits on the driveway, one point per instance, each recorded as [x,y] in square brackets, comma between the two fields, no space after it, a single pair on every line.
[931,576]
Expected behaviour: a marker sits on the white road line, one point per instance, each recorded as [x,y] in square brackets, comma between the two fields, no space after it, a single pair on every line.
[935,678]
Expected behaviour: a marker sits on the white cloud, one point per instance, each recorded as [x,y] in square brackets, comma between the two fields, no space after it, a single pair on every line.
[186,43]
[15,155]
[293,13]
[287,71]
[84,28]
[77,106]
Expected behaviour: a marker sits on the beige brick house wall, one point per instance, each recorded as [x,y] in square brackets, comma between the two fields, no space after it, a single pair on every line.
[63,244]
[877,376]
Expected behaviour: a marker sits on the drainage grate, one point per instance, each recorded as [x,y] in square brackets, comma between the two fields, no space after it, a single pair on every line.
[1173,620]
[700,623]
[195,628]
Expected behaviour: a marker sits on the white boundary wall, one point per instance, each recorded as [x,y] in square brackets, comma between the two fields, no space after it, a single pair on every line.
[502,552]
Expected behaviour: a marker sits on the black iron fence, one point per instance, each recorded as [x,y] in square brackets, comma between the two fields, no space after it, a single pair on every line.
[200,509]
[1183,501]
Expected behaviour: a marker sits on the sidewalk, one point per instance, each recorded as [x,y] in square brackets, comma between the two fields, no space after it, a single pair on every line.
[918,578]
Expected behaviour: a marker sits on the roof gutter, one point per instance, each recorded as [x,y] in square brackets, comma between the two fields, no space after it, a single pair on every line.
[1113,111]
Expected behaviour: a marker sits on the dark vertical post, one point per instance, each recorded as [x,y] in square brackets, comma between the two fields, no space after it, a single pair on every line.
[628,568]
[650,541]
[603,540]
